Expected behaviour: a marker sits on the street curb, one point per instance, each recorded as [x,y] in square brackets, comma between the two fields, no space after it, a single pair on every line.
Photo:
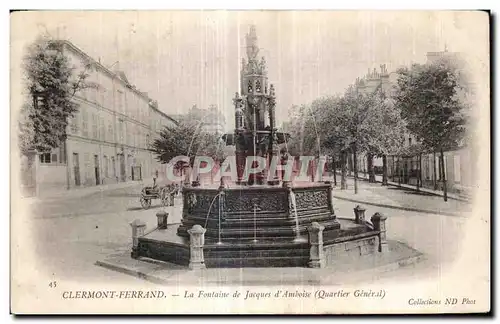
[127,271]
[401,207]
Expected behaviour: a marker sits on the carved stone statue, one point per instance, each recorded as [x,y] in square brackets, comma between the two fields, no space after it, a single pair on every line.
[262,66]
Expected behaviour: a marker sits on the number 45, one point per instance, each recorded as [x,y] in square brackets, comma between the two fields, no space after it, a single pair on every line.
[53,284]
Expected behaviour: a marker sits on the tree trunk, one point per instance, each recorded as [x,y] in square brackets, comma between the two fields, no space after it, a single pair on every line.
[334,171]
[364,168]
[420,169]
[393,169]
[434,176]
[418,174]
[384,170]
[65,146]
[349,163]
[367,166]
[355,171]
[371,169]
[400,169]
[405,171]
[445,191]
[343,169]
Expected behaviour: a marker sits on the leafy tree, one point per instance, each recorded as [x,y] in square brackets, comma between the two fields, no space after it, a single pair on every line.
[428,96]
[50,84]
[386,132]
[187,139]
[327,110]
[355,124]
[307,130]
[297,131]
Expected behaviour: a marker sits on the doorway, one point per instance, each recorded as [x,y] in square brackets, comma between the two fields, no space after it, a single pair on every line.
[76,168]
[96,169]
[136,173]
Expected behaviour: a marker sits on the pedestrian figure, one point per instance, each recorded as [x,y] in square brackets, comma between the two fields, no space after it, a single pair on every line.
[154,178]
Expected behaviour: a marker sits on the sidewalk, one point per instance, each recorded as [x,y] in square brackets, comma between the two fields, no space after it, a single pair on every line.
[378,178]
[80,192]
[407,199]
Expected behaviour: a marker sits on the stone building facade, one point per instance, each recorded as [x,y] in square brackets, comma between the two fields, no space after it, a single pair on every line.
[109,136]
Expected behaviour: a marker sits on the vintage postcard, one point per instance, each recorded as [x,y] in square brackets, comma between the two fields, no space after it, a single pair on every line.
[250,162]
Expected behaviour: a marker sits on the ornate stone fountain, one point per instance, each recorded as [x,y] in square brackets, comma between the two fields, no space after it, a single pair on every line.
[259,220]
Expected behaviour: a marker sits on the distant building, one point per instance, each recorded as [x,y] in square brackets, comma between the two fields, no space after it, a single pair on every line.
[435,56]
[211,120]
[109,136]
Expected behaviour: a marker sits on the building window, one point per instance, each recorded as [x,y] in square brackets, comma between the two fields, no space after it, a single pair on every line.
[409,140]
[250,90]
[126,106]
[119,99]
[62,152]
[85,123]
[100,95]
[95,133]
[110,133]
[135,136]
[128,130]
[45,158]
[120,131]
[75,123]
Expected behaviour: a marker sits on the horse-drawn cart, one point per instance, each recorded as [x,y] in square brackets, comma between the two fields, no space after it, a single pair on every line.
[166,194]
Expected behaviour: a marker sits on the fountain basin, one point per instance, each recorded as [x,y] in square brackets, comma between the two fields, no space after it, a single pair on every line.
[257,212]
[258,226]
[352,241]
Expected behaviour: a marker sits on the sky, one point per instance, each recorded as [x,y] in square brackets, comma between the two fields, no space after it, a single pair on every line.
[186,58]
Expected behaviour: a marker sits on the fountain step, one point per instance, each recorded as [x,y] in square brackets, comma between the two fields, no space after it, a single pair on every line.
[250,253]
[263,243]
[287,221]
[301,214]
[239,215]
[164,251]
[286,261]
[261,214]
[249,222]
[289,231]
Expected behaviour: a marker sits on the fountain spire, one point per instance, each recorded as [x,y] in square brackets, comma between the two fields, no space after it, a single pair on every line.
[252,47]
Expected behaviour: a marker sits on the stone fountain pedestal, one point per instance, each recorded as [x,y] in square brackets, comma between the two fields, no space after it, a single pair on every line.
[262,226]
